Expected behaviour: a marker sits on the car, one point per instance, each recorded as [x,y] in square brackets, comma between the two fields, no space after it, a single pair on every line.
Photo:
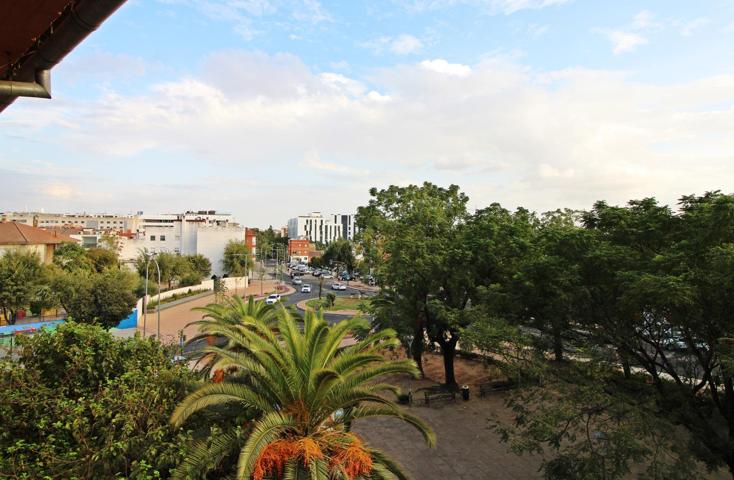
[327,274]
[342,286]
[297,281]
[345,277]
[272,299]
[336,286]
[306,288]
[316,273]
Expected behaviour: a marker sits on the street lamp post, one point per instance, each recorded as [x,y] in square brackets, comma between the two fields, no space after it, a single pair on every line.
[150,257]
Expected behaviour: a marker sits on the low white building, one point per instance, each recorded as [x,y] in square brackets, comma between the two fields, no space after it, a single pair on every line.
[203,232]
[319,228]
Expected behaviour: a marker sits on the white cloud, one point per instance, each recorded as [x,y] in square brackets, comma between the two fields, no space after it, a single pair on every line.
[623,42]
[313,160]
[645,20]
[292,139]
[405,44]
[60,191]
[440,65]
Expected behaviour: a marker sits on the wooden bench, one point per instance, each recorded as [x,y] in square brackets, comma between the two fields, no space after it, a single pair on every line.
[494,386]
[439,396]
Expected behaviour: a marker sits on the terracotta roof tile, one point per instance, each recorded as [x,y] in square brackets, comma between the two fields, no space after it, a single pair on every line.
[12,233]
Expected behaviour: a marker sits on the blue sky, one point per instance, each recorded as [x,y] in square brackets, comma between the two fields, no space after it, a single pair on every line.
[273,108]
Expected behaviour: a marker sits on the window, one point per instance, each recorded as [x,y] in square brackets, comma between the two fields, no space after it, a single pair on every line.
[163,238]
[152,238]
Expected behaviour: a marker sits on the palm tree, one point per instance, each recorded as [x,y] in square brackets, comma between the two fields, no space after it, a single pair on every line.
[302,389]
[227,320]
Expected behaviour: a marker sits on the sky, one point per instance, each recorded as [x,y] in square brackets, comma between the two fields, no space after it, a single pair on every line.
[269,109]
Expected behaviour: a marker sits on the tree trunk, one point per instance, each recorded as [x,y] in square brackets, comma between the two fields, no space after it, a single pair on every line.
[625,360]
[416,348]
[557,344]
[448,350]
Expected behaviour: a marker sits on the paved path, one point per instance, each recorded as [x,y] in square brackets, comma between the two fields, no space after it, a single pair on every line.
[465,450]
[176,318]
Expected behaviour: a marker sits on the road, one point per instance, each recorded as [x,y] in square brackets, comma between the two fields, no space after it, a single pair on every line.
[314,282]
[290,300]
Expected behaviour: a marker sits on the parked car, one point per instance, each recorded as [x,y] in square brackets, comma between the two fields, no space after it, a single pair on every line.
[326,274]
[316,273]
[306,288]
[297,281]
[345,276]
[272,299]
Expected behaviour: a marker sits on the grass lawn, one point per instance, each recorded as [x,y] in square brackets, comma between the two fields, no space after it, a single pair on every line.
[341,303]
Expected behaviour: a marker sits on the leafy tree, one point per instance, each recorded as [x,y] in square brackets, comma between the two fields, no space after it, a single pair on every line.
[237,260]
[340,251]
[410,233]
[97,298]
[267,239]
[626,241]
[200,265]
[71,256]
[78,403]
[330,299]
[593,425]
[303,392]
[102,258]
[21,275]
[173,267]
[316,262]
[549,281]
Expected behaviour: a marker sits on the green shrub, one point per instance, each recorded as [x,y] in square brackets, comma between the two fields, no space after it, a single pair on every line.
[330,299]
[80,404]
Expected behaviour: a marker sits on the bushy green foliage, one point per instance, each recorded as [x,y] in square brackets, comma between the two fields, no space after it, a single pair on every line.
[340,251]
[330,299]
[237,260]
[98,298]
[596,425]
[183,270]
[79,404]
[21,277]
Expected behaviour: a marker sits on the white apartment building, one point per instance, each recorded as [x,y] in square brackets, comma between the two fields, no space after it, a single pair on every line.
[319,228]
[83,220]
[203,232]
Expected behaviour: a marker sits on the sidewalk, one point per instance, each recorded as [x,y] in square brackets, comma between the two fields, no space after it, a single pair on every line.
[175,318]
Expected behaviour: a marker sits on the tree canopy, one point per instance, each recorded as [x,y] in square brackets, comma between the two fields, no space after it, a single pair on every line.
[21,277]
[237,260]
